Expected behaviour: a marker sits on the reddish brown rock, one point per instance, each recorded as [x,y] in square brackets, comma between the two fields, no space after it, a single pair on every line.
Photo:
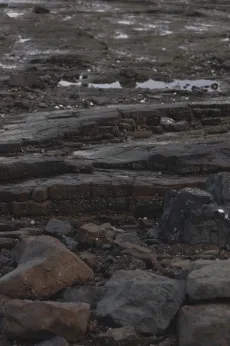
[37,319]
[45,266]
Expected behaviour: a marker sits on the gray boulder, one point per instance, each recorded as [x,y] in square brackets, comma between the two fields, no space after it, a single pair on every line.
[204,325]
[140,299]
[191,216]
[209,282]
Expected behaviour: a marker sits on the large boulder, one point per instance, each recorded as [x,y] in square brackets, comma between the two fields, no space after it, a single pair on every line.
[140,299]
[38,320]
[204,325]
[219,186]
[191,216]
[211,281]
[45,266]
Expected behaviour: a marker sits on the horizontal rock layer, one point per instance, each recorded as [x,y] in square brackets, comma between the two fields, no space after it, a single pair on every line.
[75,193]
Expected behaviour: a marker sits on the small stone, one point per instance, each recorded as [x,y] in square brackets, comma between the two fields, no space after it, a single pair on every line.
[90,259]
[42,105]
[58,228]
[40,10]
[70,243]
[157,130]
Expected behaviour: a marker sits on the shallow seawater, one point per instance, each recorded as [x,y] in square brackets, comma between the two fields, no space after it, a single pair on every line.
[186,84]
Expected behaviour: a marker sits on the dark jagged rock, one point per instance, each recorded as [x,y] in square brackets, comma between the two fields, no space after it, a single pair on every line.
[180,207]
[137,298]
[219,186]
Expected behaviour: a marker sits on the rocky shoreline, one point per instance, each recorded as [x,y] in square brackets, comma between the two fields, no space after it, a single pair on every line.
[114,173]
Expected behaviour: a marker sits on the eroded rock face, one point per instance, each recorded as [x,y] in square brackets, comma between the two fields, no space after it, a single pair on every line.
[204,325]
[142,300]
[210,282]
[45,266]
[191,216]
[40,319]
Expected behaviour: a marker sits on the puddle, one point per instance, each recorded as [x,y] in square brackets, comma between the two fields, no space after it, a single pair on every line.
[115,85]
[13,14]
[125,22]
[121,36]
[180,84]
[64,83]
[188,85]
